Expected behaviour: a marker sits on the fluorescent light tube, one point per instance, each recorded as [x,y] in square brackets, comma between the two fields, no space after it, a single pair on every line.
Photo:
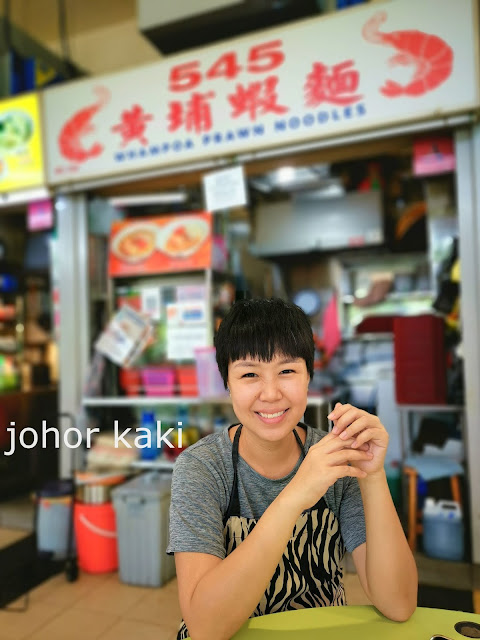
[173,197]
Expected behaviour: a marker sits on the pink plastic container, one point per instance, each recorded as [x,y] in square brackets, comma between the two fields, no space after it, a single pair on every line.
[159,381]
[209,380]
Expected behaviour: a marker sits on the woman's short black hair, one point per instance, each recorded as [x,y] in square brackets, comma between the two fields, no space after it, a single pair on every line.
[261,328]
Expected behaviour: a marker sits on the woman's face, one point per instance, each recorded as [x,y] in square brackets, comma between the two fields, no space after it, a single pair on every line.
[269,397]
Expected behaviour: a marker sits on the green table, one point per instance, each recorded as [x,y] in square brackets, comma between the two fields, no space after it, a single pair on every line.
[352,623]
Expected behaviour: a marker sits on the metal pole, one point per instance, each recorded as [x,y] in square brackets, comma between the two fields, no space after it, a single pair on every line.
[72,225]
[467,150]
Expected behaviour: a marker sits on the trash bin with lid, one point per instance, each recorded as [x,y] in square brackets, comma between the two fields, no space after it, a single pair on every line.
[142,512]
[54,518]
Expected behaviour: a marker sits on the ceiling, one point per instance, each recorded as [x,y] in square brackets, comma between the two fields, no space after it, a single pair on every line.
[103,36]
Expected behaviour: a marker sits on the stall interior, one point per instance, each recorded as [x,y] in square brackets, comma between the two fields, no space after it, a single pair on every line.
[364,238]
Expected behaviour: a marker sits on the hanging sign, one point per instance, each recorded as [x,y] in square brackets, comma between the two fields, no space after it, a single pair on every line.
[40,215]
[376,65]
[224,189]
[432,155]
[21,154]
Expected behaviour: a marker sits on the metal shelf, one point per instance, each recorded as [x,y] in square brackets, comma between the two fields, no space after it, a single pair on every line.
[369,337]
[394,296]
[156,465]
[142,401]
[434,408]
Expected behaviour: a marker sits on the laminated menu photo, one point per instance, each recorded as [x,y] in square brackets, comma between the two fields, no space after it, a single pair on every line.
[125,337]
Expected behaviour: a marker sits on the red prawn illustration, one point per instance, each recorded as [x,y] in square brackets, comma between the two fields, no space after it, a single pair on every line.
[431,56]
[70,139]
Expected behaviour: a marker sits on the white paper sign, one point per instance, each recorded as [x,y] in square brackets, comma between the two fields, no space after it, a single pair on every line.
[186,329]
[182,341]
[224,189]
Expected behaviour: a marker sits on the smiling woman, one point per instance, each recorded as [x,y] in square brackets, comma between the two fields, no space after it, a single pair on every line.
[262,513]
[268,398]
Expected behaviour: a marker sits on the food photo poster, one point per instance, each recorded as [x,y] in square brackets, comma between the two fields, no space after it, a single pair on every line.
[161,244]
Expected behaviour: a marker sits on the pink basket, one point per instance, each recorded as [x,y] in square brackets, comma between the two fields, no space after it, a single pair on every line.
[209,380]
[159,381]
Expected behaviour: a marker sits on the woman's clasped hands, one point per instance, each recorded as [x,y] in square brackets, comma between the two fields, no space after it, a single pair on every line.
[366,431]
[355,447]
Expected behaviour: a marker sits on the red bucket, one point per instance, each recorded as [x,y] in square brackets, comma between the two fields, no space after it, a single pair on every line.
[96,536]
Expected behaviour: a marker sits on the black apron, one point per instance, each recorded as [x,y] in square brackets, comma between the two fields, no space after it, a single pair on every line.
[310,572]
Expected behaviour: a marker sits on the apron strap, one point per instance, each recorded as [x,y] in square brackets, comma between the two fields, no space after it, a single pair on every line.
[234,502]
[298,439]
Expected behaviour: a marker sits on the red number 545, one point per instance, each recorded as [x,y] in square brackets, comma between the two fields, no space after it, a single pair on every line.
[261,59]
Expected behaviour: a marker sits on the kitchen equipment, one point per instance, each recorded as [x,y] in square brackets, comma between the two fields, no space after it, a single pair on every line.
[93,488]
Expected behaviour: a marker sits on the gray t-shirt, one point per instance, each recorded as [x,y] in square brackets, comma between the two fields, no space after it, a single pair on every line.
[201,486]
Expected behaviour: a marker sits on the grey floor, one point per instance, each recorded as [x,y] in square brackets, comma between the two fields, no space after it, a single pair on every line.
[18,515]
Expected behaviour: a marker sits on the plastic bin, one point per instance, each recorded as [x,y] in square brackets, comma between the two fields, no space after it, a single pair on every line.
[96,535]
[131,381]
[187,380]
[209,380]
[142,509]
[443,534]
[54,518]
[420,360]
[159,381]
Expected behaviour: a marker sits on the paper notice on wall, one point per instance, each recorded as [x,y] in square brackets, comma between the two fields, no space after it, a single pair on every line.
[187,329]
[189,292]
[224,189]
[151,302]
[182,341]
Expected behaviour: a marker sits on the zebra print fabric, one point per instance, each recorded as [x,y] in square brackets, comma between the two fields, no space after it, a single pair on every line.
[310,572]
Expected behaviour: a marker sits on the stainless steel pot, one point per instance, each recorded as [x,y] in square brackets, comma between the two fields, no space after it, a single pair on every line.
[94,493]
[96,488]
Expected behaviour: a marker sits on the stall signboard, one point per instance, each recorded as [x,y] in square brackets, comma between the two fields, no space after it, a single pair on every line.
[373,66]
[21,153]
[161,244]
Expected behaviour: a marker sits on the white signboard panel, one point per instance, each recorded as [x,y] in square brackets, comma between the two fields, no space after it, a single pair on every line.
[375,65]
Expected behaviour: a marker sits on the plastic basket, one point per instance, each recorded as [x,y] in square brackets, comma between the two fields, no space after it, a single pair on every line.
[159,381]
[131,381]
[187,380]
